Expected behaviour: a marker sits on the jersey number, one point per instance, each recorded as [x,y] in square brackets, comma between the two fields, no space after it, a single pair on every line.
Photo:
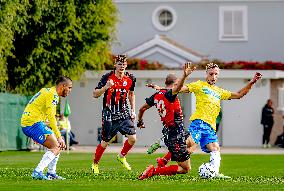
[161,107]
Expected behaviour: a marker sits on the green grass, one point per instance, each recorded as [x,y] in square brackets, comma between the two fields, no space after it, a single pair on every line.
[249,172]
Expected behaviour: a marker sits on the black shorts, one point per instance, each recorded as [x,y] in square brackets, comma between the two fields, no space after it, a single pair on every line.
[110,128]
[175,140]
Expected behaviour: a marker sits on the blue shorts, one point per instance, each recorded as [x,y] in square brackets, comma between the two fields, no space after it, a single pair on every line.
[38,132]
[202,133]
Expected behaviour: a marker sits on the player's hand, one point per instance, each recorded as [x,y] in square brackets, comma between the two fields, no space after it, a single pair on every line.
[188,68]
[109,84]
[140,124]
[61,143]
[256,77]
[133,115]
[156,87]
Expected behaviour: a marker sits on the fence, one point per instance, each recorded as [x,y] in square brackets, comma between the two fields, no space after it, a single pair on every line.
[11,135]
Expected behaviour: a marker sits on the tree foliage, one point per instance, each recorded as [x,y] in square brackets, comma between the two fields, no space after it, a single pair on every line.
[42,39]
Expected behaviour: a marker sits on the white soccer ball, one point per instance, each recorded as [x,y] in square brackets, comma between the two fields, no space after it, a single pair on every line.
[206,170]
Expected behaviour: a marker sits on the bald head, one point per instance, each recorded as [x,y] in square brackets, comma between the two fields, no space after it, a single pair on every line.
[170,79]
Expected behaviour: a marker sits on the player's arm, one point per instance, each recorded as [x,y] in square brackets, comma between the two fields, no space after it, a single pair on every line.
[103,86]
[51,104]
[149,103]
[187,70]
[131,97]
[142,110]
[241,93]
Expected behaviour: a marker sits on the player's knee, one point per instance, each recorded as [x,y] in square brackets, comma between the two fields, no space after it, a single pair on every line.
[185,169]
[132,140]
[56,150]
[104,144]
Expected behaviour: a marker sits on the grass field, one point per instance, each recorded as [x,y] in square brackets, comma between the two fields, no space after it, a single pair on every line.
[249,172]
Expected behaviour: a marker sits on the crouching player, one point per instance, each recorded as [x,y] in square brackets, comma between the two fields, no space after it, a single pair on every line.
[169,109]
[41,106]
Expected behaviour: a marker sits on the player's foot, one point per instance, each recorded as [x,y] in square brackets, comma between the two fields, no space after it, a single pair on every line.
[54,176]
[268,145]
[39,176]
[222,176]
[123,161]
[153,147]
[95,168]
[161,162]
[149,172]
[264,146]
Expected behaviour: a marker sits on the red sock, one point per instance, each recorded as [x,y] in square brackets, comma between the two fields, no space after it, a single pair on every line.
[126,148]
[99,153]
[167,157]
[167,170]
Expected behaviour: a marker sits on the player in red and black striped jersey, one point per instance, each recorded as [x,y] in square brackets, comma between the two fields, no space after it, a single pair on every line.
[117,86]
[175,137]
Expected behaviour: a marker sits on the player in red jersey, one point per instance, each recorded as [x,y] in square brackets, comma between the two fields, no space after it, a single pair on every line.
[116,86]
[175,137]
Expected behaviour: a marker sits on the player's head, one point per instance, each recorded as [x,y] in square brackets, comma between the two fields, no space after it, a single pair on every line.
[63,86]
[212,73]
[171,79]
[120,63]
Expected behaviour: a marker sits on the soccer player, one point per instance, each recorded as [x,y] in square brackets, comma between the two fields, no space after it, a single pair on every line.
[117,86]
[208,97]
[175,137]
[42,106]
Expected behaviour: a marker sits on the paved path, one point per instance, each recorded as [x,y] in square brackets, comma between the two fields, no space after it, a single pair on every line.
[224,150]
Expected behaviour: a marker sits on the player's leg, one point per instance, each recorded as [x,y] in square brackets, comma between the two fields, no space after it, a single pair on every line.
[126,127]
[179,153]
[191,145]
[44,136]
[163,161]
[209,144]
[109,130]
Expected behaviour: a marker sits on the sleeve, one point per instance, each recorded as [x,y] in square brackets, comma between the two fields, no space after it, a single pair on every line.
[169,95]
[103,81]
[150,101]
[225,94]
[51,103]
[192,87]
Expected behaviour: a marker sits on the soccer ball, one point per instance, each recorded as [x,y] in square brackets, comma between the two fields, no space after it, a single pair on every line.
[206,170]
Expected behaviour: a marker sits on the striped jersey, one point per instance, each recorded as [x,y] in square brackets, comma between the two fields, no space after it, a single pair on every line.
[115,98]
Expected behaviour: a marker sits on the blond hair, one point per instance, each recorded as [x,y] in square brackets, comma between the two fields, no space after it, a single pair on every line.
[211,65]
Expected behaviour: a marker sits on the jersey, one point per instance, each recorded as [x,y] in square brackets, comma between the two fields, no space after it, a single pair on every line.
[208,103]
[42,106]
[115,97]
[168,106]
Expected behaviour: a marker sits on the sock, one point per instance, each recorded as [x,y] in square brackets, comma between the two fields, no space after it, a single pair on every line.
[46,159]
[126,148]
[52,165]
[167,157]
[215,160]
[167,170]
[99,153]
